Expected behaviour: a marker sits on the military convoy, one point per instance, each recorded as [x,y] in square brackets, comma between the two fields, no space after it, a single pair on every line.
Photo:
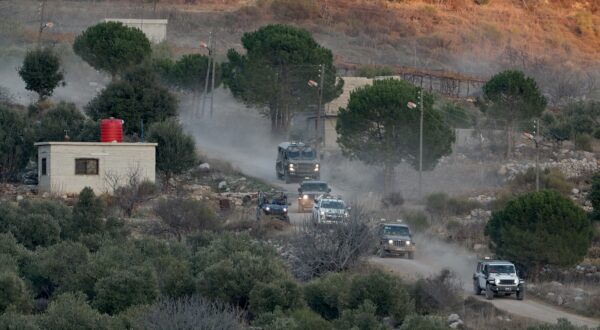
[272,205]
[297,161]
[309,191]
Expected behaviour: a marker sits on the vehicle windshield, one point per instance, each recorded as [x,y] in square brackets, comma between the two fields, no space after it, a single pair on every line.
[501,269]
[396,230]
[305,153]
[333,205]
[315,187]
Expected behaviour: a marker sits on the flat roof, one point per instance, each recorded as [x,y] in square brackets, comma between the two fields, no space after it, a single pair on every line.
[103,144]
[137,20]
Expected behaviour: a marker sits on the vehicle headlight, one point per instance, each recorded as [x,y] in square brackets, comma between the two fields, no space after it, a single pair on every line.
[322,213]
[284,209]
[346,214]
[408,243]
[316,167]
[496,280]
[391,242]
[305,197]
[267,208]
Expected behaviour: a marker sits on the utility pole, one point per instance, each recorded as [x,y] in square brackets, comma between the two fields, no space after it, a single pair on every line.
[207,71]
[421,145]
[321,123]
[537,154]
[42,25]
[213,49]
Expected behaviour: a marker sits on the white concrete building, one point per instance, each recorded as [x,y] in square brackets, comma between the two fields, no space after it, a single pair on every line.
[154,29]
[68,167]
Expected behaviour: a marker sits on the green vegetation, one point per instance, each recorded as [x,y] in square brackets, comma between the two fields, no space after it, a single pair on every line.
[523,230]
[65,118]
[378,128]
[551,179]
[138,96]
[112,47]
[41,72]
[594,197]
[177,151]
[15,143]
[274,73]
[372,71]
[440,205]
[510,97]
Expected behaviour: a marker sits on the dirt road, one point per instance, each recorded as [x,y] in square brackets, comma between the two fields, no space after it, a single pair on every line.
[241,137]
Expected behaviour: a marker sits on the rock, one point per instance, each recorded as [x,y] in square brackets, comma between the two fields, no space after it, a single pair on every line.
[222,185]
[453,318]
[204,166]
[578,298]
[93,84]
[550,294]
[456,325]
[503,170]
[559,300]
[477,247]
[575,191]
[554,283]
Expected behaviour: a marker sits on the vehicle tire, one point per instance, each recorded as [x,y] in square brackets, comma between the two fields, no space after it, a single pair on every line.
[381,253]
[521,294]
[489,294]
[476,288]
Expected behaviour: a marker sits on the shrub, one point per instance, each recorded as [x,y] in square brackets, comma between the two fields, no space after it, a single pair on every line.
[417,221]
[33,223]
[71,311]
[551,179]
[372,71]
[594,197]
[184,215]
[338,249]
[362,318]
[385,291]
[13,321]
[437,293]
[124,288]
[295,320]
[597,134]
[87,215]
[436,203]
[562,324]
[440,204]
[14,293]
[393,199]
[135,191]
[41,72]
[65,117]
[231,279]
[283,294]
[294,9]
[175,277]
[16,143]
[327,295]
[523,229]
[583,142]
[424,322]
[190,312]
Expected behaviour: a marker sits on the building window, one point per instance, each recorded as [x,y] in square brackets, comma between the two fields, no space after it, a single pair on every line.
[44,171]
[86,166]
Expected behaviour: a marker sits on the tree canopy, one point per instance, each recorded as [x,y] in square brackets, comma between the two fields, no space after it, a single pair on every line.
[510,97]
[541,228]
[176,151]
[274,73]
[65,117]
[137,96]
[112,47]
[16,143]
[41,72]
[189,73]
[378,128]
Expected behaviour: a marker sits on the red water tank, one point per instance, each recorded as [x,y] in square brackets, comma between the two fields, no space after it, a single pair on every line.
[111,130]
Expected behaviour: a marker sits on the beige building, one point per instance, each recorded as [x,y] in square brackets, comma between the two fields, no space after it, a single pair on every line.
[154,29]
[68,167]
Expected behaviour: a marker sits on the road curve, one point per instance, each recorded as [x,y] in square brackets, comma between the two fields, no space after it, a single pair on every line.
[240,136]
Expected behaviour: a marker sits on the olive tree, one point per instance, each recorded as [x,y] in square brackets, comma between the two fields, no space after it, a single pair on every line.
[16,143]
[541,228]
[176,151]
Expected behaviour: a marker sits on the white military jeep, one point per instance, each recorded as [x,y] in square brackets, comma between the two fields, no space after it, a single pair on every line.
[497,277]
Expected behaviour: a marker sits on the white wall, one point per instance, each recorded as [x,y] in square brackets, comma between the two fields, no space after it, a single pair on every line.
[155,29]
[115,160]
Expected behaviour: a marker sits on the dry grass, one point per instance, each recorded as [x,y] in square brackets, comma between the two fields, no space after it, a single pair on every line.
[582,298]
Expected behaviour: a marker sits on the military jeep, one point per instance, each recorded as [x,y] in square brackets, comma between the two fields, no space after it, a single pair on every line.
[309,191]
[497,278]
[395,239]
[272,205]
[296,161]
